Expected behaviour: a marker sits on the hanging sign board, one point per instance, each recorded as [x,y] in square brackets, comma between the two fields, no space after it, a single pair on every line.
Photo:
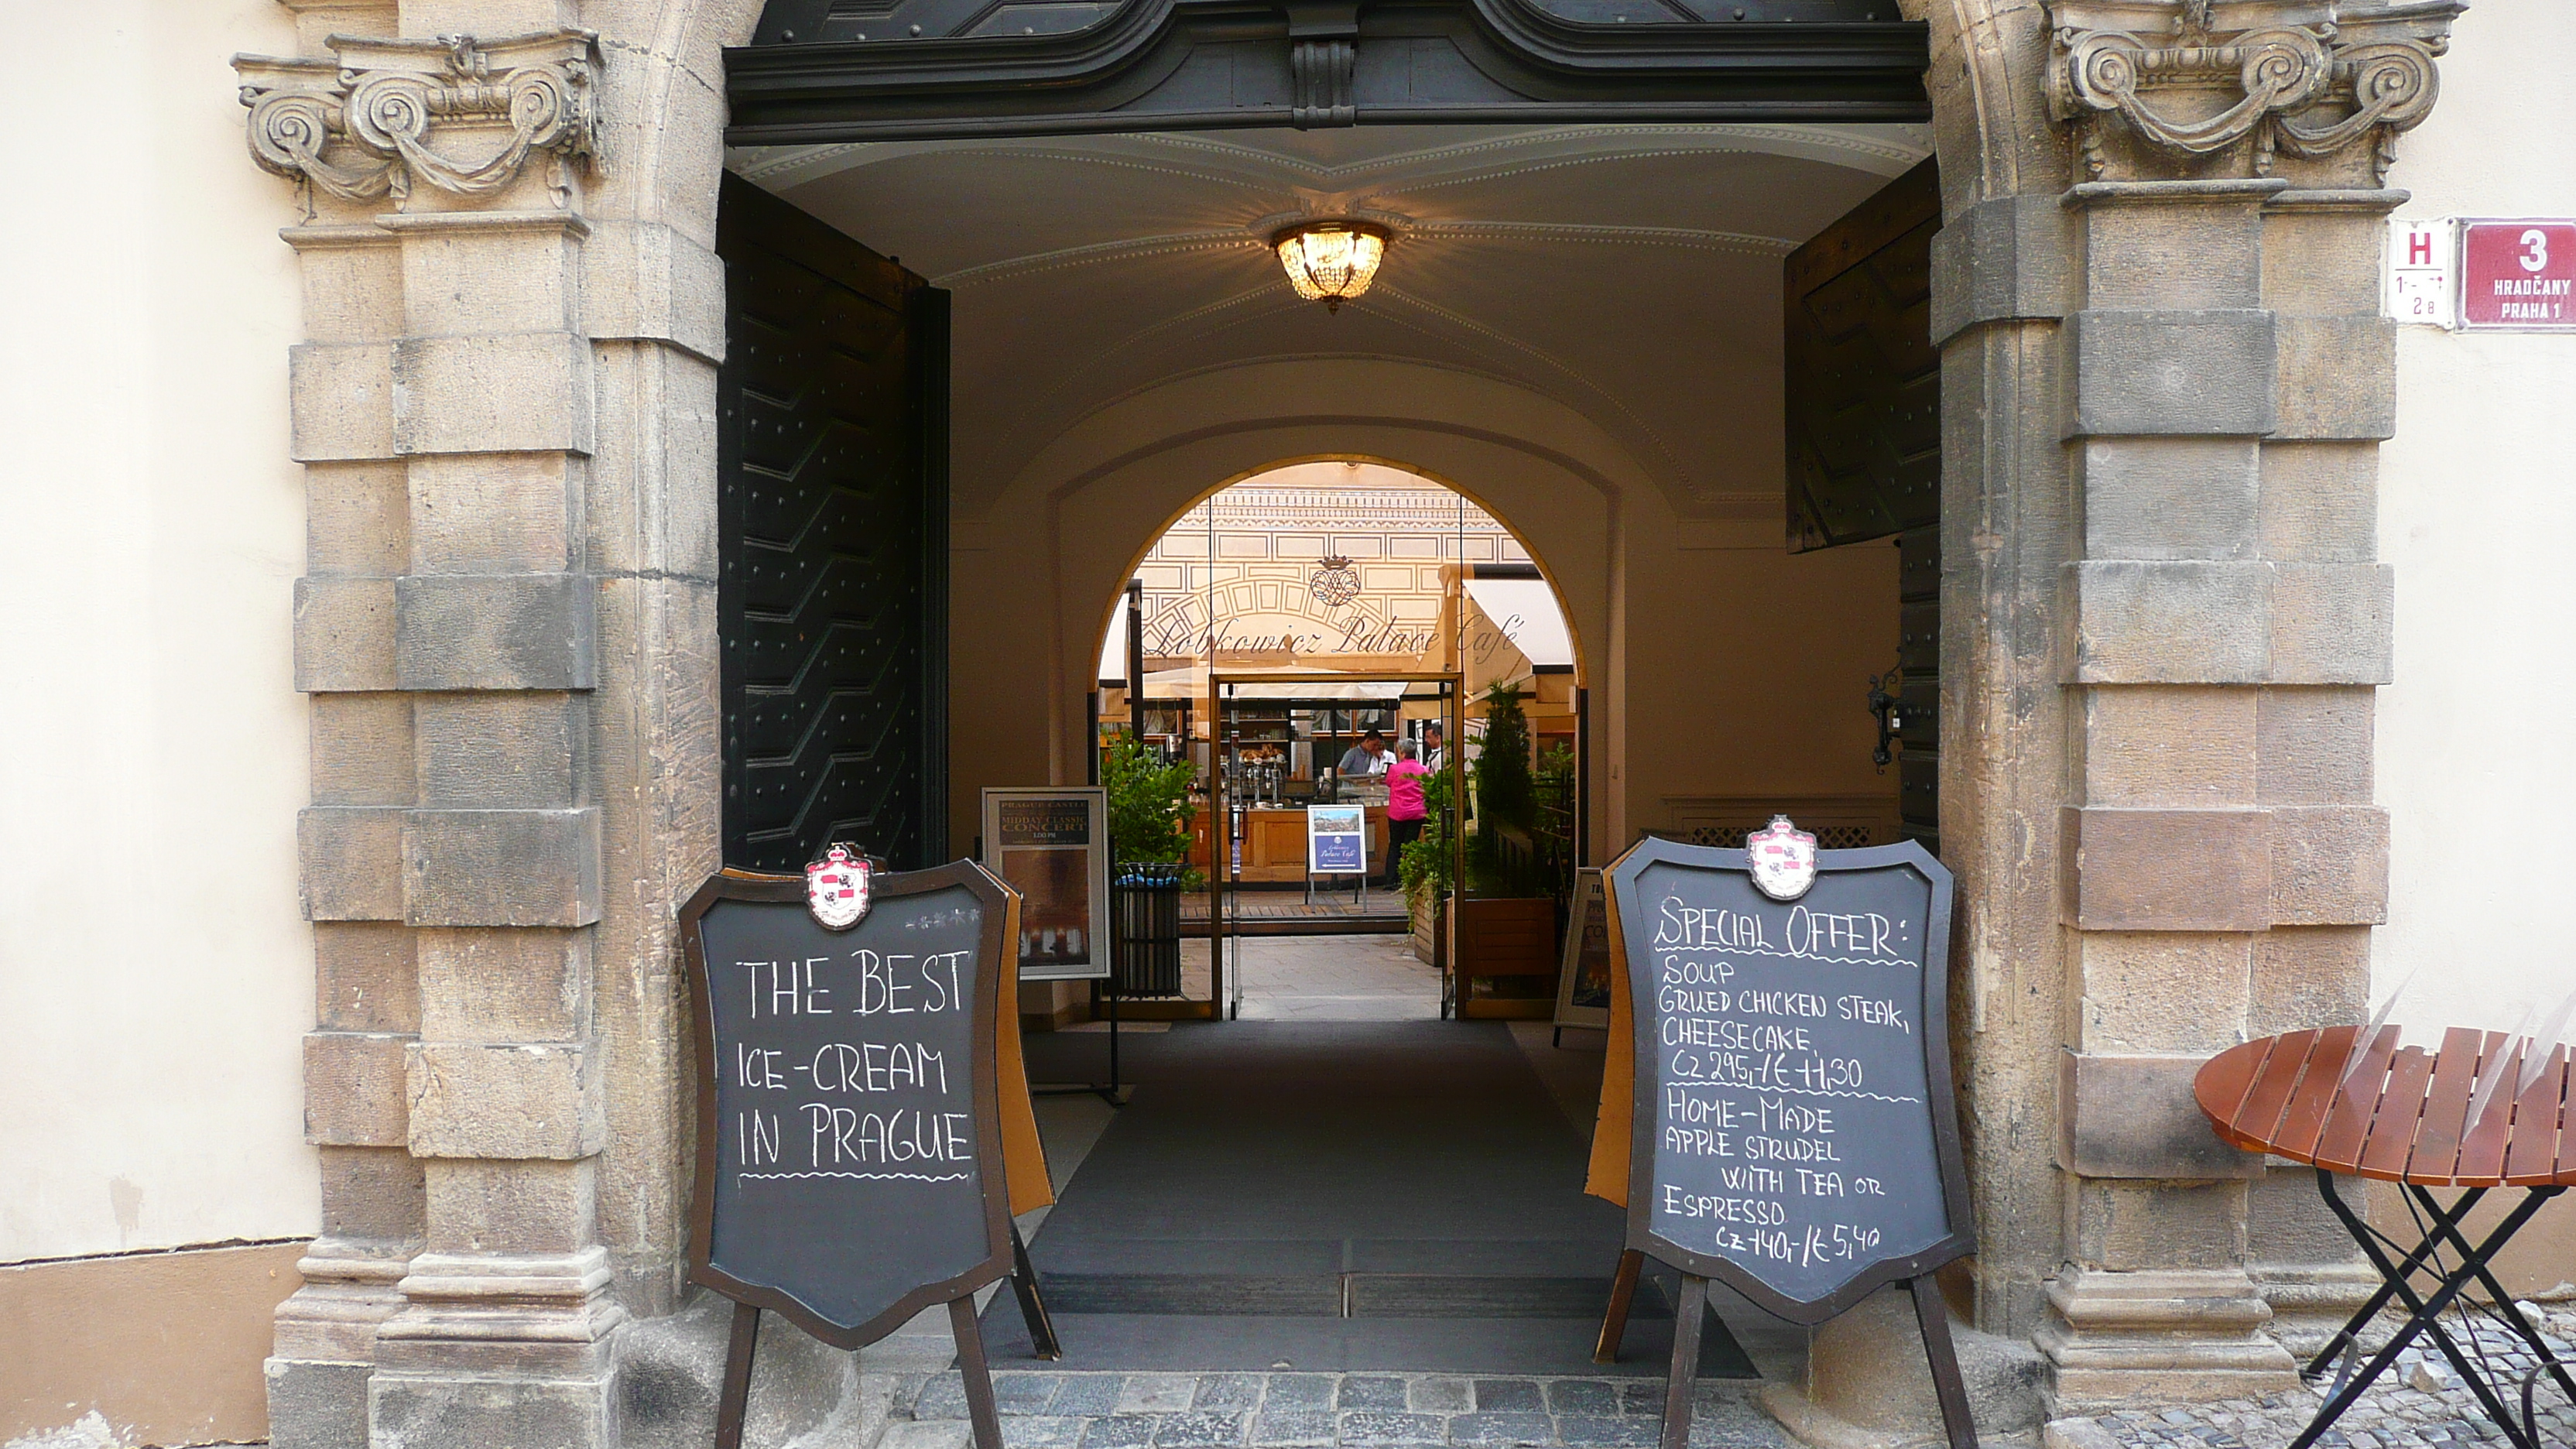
[1336,840]
[2518,275]
[1052,846]
[1794,1134]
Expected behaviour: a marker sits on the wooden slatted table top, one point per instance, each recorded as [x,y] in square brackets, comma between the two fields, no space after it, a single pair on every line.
[2400,1114]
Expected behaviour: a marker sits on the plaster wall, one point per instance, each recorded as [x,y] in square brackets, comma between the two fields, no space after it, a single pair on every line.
[1717,663]
[156,976]
[2476,515]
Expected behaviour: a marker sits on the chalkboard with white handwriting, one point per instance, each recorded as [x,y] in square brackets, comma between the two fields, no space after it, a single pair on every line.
[1795,1132]
[849,1147]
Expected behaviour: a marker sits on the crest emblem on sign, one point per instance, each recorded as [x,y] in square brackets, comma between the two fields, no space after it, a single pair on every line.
[1783,859]
[836,888]
[1336,583]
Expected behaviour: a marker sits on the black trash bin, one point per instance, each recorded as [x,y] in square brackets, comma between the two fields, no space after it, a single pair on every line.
[1145,908]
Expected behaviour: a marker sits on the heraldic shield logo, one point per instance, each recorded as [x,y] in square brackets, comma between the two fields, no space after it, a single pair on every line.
[836,887]
[1783,859]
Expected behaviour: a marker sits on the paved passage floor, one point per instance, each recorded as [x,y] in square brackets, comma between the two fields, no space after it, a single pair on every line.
[1314,1410]
[1337,1195]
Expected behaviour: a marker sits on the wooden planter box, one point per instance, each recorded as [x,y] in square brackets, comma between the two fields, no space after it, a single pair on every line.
[1508,944]
[1430,923]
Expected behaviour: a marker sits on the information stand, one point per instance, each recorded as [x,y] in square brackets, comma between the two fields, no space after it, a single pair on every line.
[855,1126]
[1789,1124]
[1337,845]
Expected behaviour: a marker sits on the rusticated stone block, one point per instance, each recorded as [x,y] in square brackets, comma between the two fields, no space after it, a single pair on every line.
[440,1409]
[353,1089]
[2171,622]
[2329,865]
[507,631]
[2207,372]
[2129,1226]
[2320,502]
[2203,253]
[2338,378]
[2169,746]
[2306,976]
[344,634]
[526,1205]
[373,1193]
[339,402]
[505,984]
[2167,870]
[510,1101]
[494,513]
[2171,498]
[2135,1117]
[467,272]
[501,867]
[364,977]
[316,1404]
[361,749]
[506,393]
[2324,263]
[2009,258]
[503,749]
[649,283]
[657,424]
[2333,623]
[356,522]
[352,862]
[2315,745]
[2161,991]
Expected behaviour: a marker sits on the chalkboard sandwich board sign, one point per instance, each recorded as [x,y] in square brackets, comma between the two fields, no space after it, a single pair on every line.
[1792,1129]
[850,1166]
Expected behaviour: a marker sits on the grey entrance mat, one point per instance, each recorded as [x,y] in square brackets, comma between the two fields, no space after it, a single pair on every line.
[1379,1195]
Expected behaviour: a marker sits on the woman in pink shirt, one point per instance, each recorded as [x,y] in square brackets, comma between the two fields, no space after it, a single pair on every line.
[1404,808]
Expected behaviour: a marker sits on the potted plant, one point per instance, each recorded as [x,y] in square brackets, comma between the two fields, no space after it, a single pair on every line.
[1505,937]
[1428,866]
[1149,802]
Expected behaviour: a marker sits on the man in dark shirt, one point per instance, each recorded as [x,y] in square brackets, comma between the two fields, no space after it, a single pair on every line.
[1368,757]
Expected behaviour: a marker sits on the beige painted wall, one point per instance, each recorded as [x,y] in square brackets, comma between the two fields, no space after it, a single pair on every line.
[155,974]
[2477,738]
[2477,513]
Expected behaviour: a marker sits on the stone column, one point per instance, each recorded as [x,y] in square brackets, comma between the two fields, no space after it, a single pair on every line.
[448,631]
[2222,624]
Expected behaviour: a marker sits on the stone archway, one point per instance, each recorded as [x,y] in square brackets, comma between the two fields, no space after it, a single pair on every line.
[2163,627]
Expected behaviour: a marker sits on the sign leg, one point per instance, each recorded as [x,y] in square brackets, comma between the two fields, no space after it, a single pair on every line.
[1623,1292]
[1685,1373]
[737,1379]
[977,1374]
[1934,1317]
[1024,1285]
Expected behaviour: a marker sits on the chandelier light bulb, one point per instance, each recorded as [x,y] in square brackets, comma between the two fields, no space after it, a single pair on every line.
[1331,261]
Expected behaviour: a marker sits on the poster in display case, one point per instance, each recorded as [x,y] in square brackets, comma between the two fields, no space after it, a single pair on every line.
[1051,844]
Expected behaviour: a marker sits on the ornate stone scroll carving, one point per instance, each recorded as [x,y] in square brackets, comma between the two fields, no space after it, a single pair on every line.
[2195,77]
[461,115]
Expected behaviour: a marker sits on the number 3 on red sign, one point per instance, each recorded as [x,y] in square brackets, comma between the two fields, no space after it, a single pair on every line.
[2535,255]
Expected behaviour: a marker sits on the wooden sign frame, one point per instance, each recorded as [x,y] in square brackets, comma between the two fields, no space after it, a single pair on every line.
[1094,800]
[999,933]
[1698,1269]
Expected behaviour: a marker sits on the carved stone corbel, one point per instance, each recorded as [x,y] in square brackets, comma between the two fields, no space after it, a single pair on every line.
[2192,78]
[1323,62]
[361,126]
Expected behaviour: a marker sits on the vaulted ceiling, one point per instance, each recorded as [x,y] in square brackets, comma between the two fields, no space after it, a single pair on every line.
[1629,273]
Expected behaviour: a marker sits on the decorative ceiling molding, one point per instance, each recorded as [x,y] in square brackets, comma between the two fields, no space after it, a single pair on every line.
[1255,240]
[938,68]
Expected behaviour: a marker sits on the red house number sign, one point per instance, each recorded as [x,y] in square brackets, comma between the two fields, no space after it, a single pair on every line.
[2518,274]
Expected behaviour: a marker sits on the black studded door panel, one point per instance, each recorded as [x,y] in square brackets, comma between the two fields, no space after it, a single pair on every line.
[832,522]
[1863,387]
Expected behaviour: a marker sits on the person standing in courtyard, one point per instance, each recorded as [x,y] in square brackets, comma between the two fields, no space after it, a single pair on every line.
[1368,757]
[1404,809]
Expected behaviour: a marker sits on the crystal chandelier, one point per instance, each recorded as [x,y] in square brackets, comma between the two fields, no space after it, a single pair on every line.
[1331,261]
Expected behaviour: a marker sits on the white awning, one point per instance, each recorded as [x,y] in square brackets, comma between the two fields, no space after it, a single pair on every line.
[1526,611]
[1113,647]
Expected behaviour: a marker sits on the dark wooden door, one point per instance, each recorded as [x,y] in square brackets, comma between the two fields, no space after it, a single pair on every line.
[832,520]
[1864,419]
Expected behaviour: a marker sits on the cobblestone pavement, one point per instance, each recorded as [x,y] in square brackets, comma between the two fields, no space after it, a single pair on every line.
[1327,1410]
[2420,1403]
